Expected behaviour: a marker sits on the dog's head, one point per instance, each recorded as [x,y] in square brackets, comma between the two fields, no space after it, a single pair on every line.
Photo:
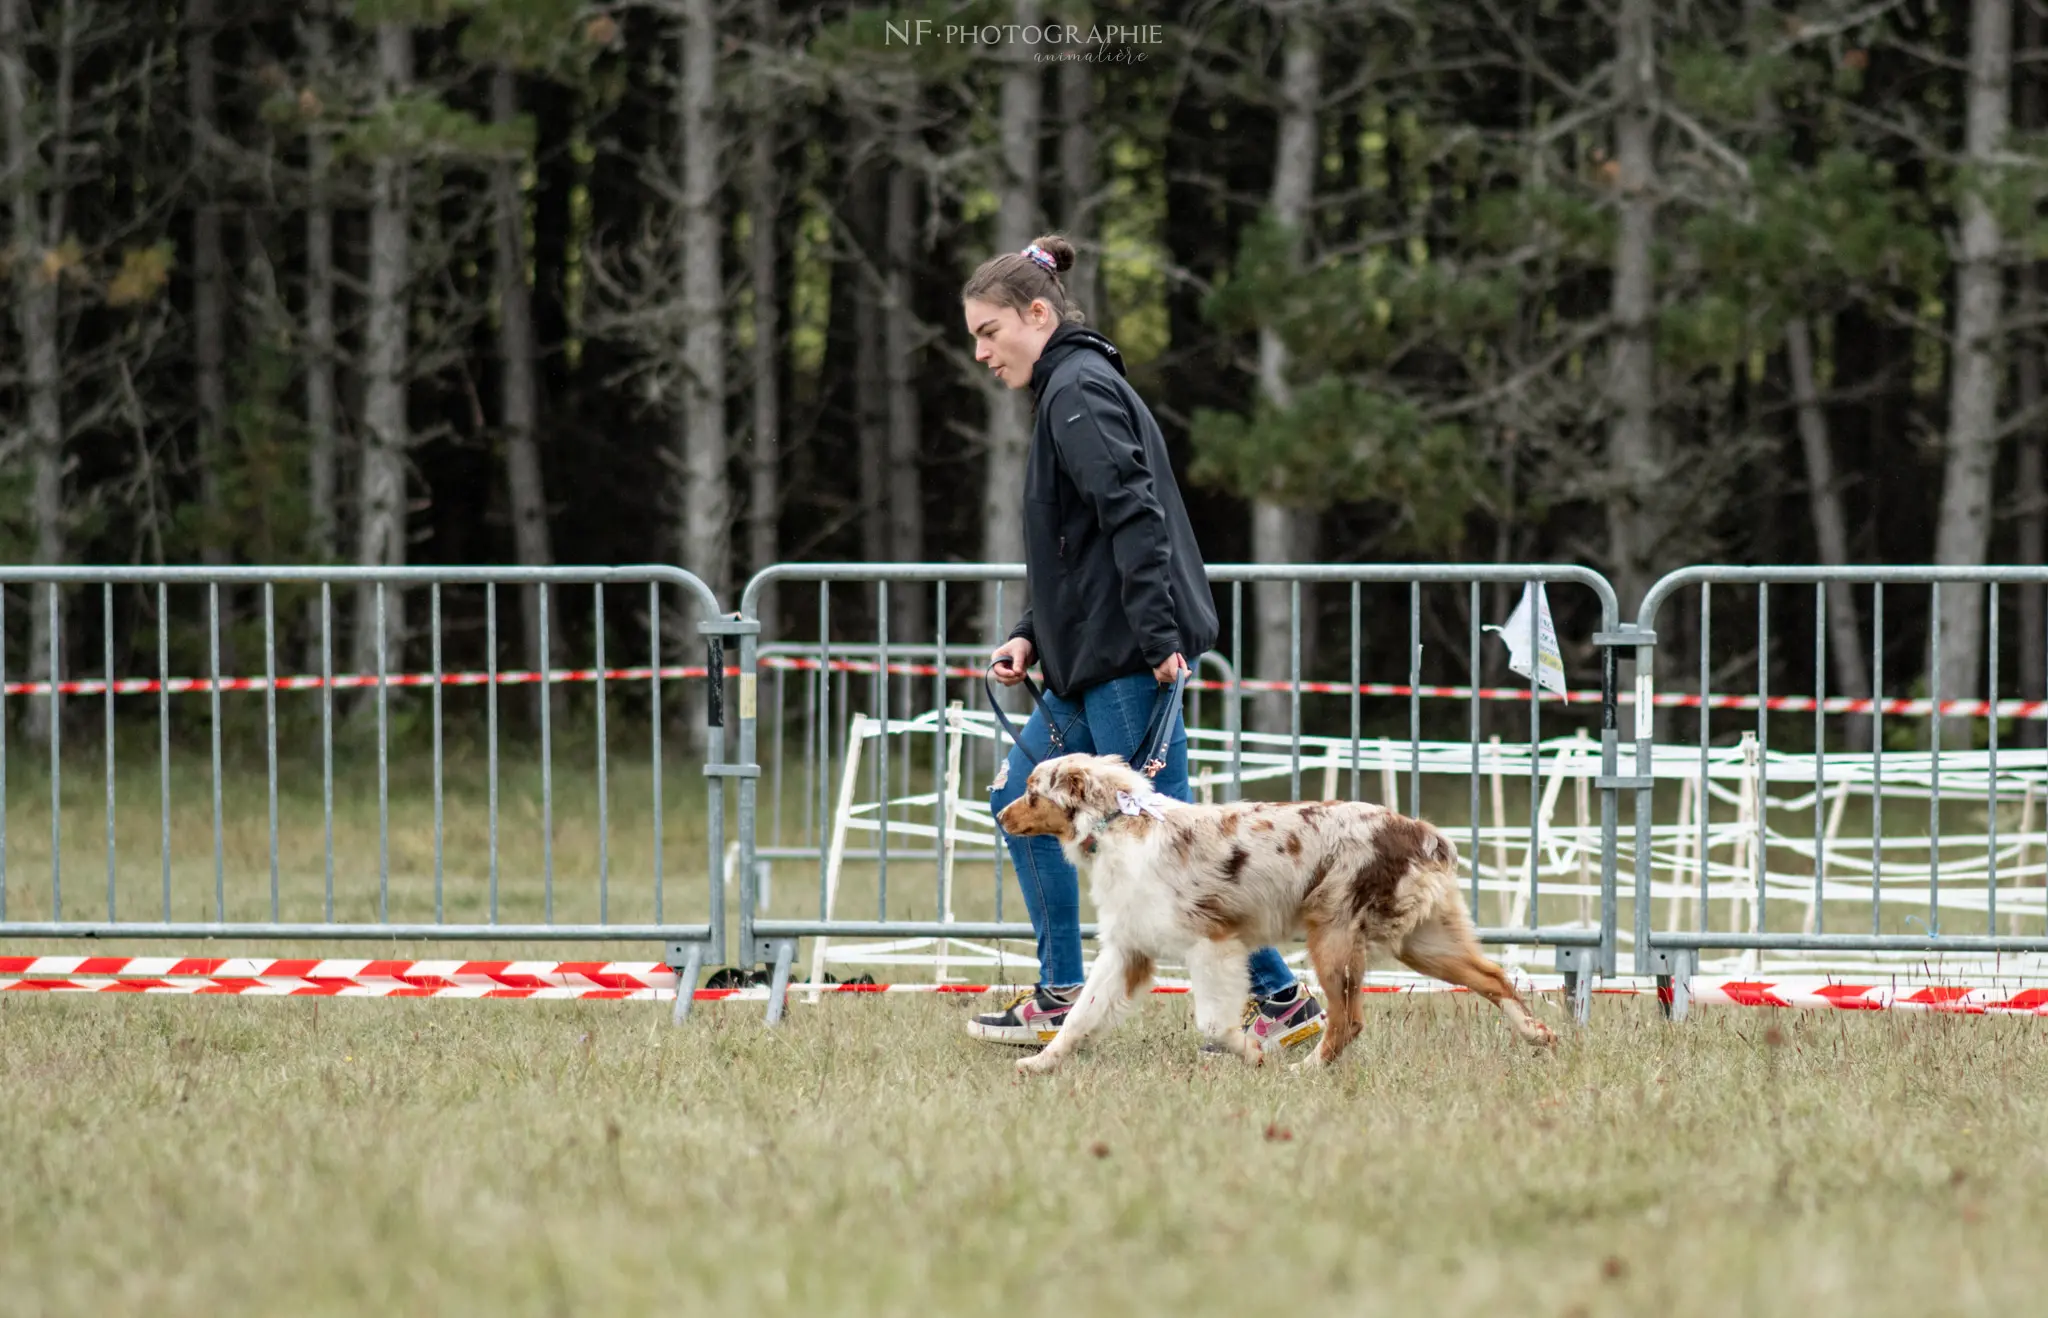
[1062,793]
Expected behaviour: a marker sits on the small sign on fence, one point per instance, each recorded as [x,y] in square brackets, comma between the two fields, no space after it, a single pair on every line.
[1548,661]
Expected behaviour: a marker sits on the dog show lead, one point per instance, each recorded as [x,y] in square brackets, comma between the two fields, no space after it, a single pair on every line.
[1118,599]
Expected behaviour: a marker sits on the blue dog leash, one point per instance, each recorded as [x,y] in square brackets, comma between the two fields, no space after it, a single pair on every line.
[1151,752]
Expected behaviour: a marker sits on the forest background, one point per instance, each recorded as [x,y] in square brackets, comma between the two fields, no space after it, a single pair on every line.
[1631,284]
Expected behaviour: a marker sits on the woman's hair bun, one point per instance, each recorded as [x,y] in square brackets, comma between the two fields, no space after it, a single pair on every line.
[1061,251]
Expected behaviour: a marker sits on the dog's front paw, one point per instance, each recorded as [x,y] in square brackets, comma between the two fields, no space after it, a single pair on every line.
[1044,1063]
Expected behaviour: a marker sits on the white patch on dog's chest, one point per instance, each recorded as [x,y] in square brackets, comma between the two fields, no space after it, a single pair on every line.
[1126,883]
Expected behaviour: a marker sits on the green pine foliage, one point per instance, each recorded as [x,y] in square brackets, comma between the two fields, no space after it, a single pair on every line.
[1444,306]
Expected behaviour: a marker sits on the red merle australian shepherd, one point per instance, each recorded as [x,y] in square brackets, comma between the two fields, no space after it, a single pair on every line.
[1205,884]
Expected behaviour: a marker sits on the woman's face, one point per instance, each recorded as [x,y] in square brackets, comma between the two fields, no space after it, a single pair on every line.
[1007,340]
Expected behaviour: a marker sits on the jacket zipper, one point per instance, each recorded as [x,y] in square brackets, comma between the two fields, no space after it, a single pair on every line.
[1063,546]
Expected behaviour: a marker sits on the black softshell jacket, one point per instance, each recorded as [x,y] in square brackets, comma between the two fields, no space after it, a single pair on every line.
[1117,584]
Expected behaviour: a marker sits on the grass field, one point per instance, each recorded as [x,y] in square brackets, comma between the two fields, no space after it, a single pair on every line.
[228,1156]
[256,1157]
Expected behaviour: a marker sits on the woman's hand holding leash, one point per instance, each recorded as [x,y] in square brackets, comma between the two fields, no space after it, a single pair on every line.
[1008,664]
[1011,661]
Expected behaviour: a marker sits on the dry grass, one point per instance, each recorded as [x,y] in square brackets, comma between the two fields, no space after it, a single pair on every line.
[242,1156]
[227,1156]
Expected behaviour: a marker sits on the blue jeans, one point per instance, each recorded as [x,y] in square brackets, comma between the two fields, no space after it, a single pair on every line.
[1108,720]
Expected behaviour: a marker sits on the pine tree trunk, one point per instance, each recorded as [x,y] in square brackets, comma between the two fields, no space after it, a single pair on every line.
[706,525]
[1962,536]
[209,285]
[381,501]
[38,224]
[2033,517]
[870,390]
[1635,457]
[2030,476]
[518,392]
[1078,184]
[1275,537]
[1830,525]
[764,203]
[1009,411]
[266,326]
[323,435]
[909,611]
[1824,496]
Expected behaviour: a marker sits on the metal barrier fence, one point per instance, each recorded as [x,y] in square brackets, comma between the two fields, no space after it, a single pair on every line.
[1789,888]
[469,861]
[1582,950]
[315,890]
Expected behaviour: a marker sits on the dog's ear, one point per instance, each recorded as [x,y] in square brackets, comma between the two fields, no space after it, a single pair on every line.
[1071,781]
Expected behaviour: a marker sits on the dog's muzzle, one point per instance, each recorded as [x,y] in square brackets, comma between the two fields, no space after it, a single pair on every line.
[1024,817]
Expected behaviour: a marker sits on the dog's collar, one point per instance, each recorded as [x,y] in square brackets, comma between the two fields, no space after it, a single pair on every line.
[1147,802]
[1129,805]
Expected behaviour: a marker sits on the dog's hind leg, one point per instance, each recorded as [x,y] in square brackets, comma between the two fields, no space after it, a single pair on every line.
[1339,958]
[1110,982]
[1220,975]
[1443,946]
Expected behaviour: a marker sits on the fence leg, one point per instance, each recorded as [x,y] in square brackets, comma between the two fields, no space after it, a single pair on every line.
[778,986]
[1674,980]
[1577,963]
[686,979]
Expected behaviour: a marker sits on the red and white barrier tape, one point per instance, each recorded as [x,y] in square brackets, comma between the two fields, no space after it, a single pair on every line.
[368,987]
[1872,997]
[652,981]
[415,974]
[289,988]
[135,686]
[2019,709]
